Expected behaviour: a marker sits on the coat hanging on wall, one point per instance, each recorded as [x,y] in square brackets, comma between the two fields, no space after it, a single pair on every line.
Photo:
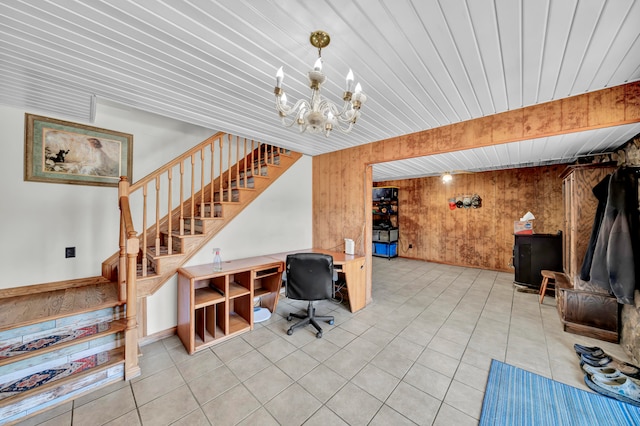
[615,257]
[601,192]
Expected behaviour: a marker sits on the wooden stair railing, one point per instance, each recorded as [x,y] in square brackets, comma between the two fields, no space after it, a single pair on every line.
[182,205]
[202,170]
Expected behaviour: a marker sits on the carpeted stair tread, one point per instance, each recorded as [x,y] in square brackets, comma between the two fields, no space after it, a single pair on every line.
[36,307]
[59,340]
[58,377]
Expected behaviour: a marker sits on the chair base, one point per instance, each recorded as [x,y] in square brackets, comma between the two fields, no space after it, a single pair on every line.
[309,318]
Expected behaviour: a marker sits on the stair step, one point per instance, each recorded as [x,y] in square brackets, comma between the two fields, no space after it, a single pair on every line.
[235,196]
[178,242]
[151,270]
[261,173]
[52,386]
[187,235]
[18,311]
[61,339]
[164,251]
[202,224]
[204,210]
[241,184]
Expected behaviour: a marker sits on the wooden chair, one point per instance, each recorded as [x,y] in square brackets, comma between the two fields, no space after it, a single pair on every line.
[546,276]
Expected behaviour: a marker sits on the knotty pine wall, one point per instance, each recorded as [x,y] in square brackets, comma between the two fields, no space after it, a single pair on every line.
[342,180]
[481,237]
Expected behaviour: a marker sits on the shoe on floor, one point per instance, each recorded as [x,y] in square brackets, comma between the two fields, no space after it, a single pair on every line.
[625,368]
[601,372]
[622,388]
[594,351]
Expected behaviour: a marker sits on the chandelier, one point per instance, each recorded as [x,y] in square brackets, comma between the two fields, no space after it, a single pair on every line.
[319,115]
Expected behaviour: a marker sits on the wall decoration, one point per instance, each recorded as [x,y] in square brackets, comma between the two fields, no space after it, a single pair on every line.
[465,201]
[59,151]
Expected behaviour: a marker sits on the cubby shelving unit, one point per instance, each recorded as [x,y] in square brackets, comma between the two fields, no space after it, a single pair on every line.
[214,306]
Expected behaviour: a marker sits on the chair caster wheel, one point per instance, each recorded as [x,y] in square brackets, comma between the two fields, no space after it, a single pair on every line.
[289,332]
[319,334]
[288,317]
[331,322]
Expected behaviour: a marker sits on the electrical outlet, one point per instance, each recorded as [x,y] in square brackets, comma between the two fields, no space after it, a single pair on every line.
[69,252]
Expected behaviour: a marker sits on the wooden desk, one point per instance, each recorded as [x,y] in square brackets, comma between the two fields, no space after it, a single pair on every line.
[214,306]
[352,268]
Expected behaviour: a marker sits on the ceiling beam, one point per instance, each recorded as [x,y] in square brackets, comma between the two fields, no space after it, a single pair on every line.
[603,108]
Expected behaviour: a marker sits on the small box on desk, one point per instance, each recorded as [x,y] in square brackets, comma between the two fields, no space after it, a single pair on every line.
[523,227]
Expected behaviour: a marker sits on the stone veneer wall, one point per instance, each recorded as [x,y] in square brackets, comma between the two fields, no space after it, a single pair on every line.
[629,155]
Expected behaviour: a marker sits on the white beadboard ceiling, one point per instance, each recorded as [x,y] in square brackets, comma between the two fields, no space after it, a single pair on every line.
[422,63]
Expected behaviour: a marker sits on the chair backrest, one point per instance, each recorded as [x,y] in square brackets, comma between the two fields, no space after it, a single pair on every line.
[309,276]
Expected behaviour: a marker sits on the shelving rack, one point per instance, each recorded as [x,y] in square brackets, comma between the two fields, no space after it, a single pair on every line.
[385,221]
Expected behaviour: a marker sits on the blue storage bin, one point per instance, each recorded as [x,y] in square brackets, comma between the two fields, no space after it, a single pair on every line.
[385,249]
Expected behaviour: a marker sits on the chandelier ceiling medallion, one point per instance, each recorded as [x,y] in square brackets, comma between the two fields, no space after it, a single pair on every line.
[319,115]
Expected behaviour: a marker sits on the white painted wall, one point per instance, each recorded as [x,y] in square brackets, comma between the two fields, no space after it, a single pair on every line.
[278,220]
[38,220]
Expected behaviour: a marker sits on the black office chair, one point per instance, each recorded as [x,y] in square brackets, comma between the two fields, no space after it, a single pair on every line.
[309,277]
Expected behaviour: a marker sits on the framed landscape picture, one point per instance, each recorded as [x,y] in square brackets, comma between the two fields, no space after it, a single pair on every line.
[59,151]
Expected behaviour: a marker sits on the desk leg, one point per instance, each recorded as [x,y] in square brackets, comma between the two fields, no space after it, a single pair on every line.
[354,273]
[270,301]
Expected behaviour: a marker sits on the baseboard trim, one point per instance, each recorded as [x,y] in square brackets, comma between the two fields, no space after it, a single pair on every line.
[156,337]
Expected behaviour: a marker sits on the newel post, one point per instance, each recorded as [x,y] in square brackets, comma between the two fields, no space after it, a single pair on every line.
[123,191]
[129,247]
[131,367]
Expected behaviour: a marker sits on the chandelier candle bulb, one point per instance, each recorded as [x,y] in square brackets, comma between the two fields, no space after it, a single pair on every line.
[349,80]
[279,77]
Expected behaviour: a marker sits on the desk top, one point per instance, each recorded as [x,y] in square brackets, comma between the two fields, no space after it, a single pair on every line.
[248,263]
[229,267]
[339,258]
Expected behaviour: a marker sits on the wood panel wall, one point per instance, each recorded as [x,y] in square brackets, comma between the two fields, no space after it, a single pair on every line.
[481,237]
[342,180]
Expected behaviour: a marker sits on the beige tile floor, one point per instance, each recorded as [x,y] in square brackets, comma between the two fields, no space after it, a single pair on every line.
[418,354]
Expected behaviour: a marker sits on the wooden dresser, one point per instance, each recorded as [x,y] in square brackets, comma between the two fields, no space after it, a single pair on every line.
[579,208]
[584,308]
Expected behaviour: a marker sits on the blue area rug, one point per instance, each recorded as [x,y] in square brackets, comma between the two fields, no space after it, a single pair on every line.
[517,397]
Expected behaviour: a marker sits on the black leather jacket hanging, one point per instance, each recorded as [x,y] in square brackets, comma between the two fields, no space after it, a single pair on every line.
[600,191]
[614,260]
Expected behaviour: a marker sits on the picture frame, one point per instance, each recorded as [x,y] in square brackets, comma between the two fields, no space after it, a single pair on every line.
[58,151]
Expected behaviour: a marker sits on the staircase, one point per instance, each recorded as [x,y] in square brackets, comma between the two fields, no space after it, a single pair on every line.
[63,339]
